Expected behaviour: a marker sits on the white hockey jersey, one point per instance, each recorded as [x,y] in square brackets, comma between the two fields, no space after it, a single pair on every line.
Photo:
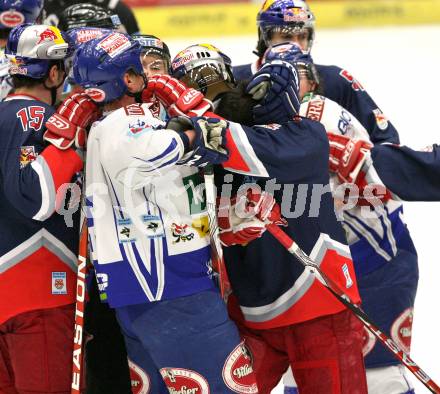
[5,78]
[373,238]
[147,216]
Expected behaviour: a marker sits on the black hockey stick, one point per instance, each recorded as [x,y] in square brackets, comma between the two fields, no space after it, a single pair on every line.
[307,262]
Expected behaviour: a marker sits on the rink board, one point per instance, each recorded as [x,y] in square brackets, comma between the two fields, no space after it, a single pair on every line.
[239,19]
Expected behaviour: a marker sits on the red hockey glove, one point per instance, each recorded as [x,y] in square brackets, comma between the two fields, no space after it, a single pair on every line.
[175,96]
[347,156]
[244,220]
[67,127]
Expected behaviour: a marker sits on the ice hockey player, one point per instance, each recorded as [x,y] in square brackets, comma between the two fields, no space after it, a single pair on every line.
[156,60]
[149,239]
[12,14]
[285,315]
[292,21]
[384,255]
[38,245]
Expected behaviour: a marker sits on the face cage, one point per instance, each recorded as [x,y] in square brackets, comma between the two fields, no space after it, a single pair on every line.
[158,52]
[309,71]
[289,29]
[201,77]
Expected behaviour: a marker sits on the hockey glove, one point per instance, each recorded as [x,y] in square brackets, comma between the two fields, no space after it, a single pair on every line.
[208,146]
[67,126]
[242,221]
[175,96]
[275,85]
[347,157]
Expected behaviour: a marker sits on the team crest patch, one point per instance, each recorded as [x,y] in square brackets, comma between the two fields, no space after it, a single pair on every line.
[184,381]
[238,373]
[140,381]
[59,285]
[369,341]
[27,155]
[381,119]
[401,330]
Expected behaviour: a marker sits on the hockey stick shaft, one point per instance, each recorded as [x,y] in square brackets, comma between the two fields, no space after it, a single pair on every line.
[78,339]
[216,247]
[401,355]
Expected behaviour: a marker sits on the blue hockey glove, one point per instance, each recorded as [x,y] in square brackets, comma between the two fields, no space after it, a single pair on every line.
[208,146]
[276,86]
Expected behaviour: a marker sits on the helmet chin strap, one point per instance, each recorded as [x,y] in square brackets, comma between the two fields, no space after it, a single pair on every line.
[53,91]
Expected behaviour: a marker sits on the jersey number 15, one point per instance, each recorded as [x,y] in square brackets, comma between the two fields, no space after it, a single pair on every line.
[31,117]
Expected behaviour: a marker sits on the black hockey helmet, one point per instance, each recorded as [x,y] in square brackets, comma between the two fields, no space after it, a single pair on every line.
[153,45]
[87,15]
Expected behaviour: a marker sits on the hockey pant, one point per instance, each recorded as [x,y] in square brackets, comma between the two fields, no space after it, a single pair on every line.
[325,354]
[388,295]
[191,342]
[36,352]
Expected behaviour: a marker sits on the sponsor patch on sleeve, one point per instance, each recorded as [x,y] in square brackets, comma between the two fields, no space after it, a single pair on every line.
[27,155]
[381,119]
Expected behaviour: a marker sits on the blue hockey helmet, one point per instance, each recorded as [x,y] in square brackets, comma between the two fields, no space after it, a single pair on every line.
[152,45]
[16,12]
[99,65]
[77,37]
[292,53]
[32,48]
[290,16]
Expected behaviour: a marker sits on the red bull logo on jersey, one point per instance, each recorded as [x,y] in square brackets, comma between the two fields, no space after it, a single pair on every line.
[381,119]
[237,373]
[11,18]
[401,330]
[27,155]
[140,381]
[184,381]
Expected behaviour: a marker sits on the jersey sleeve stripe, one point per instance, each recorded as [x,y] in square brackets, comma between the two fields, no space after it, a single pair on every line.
[243,153]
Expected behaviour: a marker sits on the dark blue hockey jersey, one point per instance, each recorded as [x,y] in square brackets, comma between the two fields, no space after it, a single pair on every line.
[411,175]
[37,249]
[340,86]
[290,161]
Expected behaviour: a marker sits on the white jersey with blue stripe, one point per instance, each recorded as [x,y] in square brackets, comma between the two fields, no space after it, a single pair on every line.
[147,215]
[5,78]
[374,237]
